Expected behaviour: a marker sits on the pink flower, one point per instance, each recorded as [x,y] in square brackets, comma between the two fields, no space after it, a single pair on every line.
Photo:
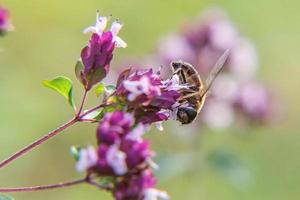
[97,55]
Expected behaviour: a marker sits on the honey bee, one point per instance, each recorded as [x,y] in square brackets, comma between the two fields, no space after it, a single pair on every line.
[193,97]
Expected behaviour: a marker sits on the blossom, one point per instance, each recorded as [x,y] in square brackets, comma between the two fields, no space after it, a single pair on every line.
[255,100]
[137,152]
[87,158]
[121,146]
[5,24]
[135,187]
[116,160]
[154,194]
[97,55]
[100,25]
[137,132]
[114,126]
[218,114]
[244,61]
[174,47]
[150,97]
[124,157]
[140,86]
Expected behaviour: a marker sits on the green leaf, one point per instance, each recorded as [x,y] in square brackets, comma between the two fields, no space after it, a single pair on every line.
[75,152]
[110,89]
[5,197]
[103,111]
[99,89]
[63,86]
[116,106]
[79,71]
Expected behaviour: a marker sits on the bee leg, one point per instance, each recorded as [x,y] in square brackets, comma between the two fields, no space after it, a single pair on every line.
[177,71]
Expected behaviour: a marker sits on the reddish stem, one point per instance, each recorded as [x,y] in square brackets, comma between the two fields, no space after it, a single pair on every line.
[38,142]
[47,136]
[44,187]
[82,102]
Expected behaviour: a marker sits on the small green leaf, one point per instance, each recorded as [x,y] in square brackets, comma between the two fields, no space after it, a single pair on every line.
[75,152]
[99,89]
[5,197]
[110,89]
[78,69]
[103,111]
[91,116]
[116,106]
[63,86]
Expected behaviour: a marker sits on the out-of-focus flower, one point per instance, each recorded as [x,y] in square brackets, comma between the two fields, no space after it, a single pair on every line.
[124,156]
[154,194]
[121,147]
[97,55]
[5,24]
[113,126]
[255,100]
[137,152]
[244,60]
[135,186]
[87,158]
[116,159]
[218,114]
[137,133]
[175,47]
[225,88]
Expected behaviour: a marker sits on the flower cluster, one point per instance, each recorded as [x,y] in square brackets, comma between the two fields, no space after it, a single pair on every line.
[201,43]
[149,97]
[140,98]
[97,55]
[5,24]
[124,156]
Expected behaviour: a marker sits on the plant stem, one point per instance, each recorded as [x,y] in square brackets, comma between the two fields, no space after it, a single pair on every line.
[47,136]
[93,109]
[58,185]
[38,142]
[82,103]
[44,187]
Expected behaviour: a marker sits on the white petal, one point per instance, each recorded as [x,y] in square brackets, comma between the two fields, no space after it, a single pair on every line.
[115,28]
[87,158]
[137,132]
[116,160]
[101,24]
[154,194]
[159,126]
[90,29]
[119,43]
[152,164]
[98,27]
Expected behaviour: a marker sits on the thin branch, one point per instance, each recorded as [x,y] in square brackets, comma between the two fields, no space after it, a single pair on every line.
[82,102]
[102,187]
[93,109]
[38,142]
[87,180]
[44,187]
[48,136]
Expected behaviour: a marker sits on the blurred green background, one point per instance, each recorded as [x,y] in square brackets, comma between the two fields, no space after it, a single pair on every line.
[258,163]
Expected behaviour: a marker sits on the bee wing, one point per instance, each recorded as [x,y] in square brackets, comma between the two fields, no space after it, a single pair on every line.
[215,71]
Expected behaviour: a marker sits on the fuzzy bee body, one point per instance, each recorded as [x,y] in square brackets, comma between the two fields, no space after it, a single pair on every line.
[192,98]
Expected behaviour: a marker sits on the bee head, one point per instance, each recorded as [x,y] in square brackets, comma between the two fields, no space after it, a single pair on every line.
[176,64]
[186,115]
